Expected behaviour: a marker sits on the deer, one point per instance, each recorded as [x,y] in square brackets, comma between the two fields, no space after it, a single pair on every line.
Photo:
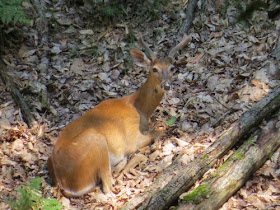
[90,146]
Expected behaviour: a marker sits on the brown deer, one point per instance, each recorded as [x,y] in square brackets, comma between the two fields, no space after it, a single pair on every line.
[91,145]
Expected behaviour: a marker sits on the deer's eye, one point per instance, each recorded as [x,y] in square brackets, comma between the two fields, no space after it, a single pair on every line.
[155,70]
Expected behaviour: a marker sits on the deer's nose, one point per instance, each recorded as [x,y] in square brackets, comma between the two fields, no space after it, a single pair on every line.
[166,86]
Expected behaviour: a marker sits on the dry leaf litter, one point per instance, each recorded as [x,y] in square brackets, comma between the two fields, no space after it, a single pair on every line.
[224,70]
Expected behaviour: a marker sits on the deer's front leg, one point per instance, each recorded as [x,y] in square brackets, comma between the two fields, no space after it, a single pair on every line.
[144,140]
[144,124]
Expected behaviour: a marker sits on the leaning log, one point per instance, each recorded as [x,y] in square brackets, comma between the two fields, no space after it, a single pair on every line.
[16,95]
[233,174]
[177,179]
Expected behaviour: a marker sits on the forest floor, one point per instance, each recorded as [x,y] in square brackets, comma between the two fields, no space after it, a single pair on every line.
[223,72]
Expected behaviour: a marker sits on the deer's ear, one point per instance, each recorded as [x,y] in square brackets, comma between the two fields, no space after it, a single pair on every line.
[139,57]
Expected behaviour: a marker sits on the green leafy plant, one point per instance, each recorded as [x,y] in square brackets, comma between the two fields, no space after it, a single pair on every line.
[31,198]
[247,13]
[119,9]
[12,10]
[171,121]
[156,7]
[111,8]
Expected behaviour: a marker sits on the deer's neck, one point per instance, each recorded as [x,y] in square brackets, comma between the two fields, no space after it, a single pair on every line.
[148,97]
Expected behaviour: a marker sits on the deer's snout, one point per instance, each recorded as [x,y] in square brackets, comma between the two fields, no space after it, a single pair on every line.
[166,83]
[166,86]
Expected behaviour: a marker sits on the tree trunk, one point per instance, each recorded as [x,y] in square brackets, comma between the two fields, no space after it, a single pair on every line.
[232,175]
[189,17]
[177,179]
[42,27]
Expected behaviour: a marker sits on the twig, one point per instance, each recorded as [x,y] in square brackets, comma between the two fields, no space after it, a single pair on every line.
[177,179]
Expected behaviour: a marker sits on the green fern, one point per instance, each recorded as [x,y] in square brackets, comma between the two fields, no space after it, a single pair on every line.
[31,198]
[12,10]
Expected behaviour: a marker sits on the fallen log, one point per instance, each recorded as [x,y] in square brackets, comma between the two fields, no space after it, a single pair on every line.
[16,95]
[233,174]
[177,179]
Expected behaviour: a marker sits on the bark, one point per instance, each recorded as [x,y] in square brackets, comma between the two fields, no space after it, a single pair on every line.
[16,95]
[277,55]
[232,175]
[177,179]
[42,27]
[189,17]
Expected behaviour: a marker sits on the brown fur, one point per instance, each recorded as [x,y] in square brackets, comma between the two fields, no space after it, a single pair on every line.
[89,146]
